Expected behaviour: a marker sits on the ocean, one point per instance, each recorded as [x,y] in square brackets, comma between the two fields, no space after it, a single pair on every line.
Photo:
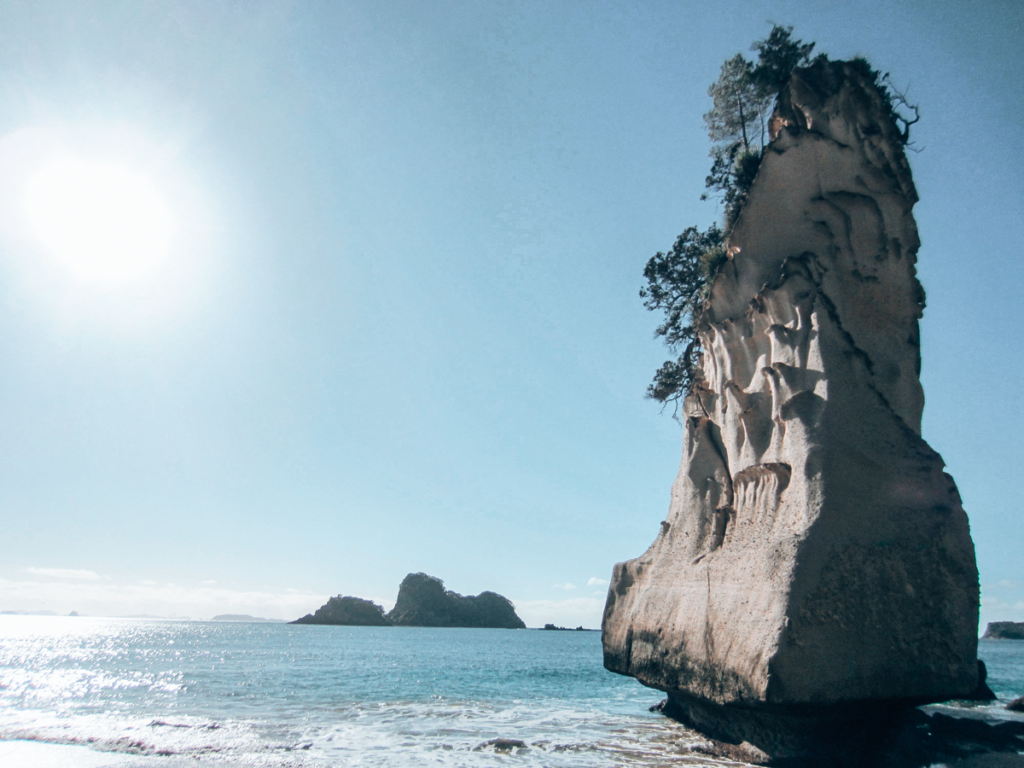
[150,693]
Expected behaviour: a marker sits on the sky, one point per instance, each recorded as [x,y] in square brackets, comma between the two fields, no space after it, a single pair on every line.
[389,321]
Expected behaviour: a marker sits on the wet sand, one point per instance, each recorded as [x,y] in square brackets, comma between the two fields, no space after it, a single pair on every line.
[35,754]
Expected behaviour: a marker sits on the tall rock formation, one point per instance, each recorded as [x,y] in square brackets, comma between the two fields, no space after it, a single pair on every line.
[815,554]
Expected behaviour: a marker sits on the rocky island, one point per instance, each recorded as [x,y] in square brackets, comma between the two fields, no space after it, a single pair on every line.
[815,574]
[346,612]
[422,602]
[1004,630]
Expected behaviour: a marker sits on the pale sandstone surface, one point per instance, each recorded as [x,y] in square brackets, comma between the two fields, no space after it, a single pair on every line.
[815,553]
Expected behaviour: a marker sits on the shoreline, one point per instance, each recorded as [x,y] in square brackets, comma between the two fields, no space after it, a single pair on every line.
[25,753]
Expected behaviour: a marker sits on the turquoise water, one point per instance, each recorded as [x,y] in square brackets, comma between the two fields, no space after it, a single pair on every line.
[197,693]
[281,695]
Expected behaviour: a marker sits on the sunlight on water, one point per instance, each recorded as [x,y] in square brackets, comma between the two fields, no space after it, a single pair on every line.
[256,694]
[280,695]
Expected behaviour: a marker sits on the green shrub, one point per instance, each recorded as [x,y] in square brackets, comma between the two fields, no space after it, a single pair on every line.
[679,281]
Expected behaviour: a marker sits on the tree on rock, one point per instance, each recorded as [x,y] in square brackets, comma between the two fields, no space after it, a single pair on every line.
[678,281]
[677,284]
[740,106]
[742,101]
[777,56]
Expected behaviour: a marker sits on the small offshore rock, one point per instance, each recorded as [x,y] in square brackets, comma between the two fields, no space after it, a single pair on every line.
[502,745]
[1017,705]
[744,752]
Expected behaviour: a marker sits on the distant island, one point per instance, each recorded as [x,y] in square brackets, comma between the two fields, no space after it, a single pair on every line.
[553,628]
[347,612]
[246,618]
[422,602]
[1004,630]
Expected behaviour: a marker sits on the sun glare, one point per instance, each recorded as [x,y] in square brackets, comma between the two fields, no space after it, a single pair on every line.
[105,223]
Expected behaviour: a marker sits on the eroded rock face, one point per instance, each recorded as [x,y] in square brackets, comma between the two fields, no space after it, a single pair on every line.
[815,553]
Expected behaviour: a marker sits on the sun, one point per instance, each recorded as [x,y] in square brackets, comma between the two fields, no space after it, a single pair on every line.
[104,222]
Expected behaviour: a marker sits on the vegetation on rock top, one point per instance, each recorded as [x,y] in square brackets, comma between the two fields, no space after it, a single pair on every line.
[743,99]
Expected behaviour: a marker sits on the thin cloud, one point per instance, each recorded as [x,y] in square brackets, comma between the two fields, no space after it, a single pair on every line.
[593,581]
[103,598]
[63,573]
[572,612]
[1001,601]
[567,585]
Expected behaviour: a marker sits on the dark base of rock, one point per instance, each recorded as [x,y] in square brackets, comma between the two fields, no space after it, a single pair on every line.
[854,736]
[868,736]
[982,692]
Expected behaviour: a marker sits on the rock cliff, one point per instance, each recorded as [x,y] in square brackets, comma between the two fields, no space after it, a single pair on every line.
[424,602]
[815,554]
[347,611]
[1004,630]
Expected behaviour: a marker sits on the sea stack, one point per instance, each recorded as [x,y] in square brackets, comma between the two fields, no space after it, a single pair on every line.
[816,564]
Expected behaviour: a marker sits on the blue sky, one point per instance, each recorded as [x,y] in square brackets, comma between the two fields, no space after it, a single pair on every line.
[397,326]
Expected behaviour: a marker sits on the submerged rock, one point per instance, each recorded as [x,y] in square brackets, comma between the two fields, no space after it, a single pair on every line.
[502,745]
[1004,630]
[424,602]
[816,564]
[347,611]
